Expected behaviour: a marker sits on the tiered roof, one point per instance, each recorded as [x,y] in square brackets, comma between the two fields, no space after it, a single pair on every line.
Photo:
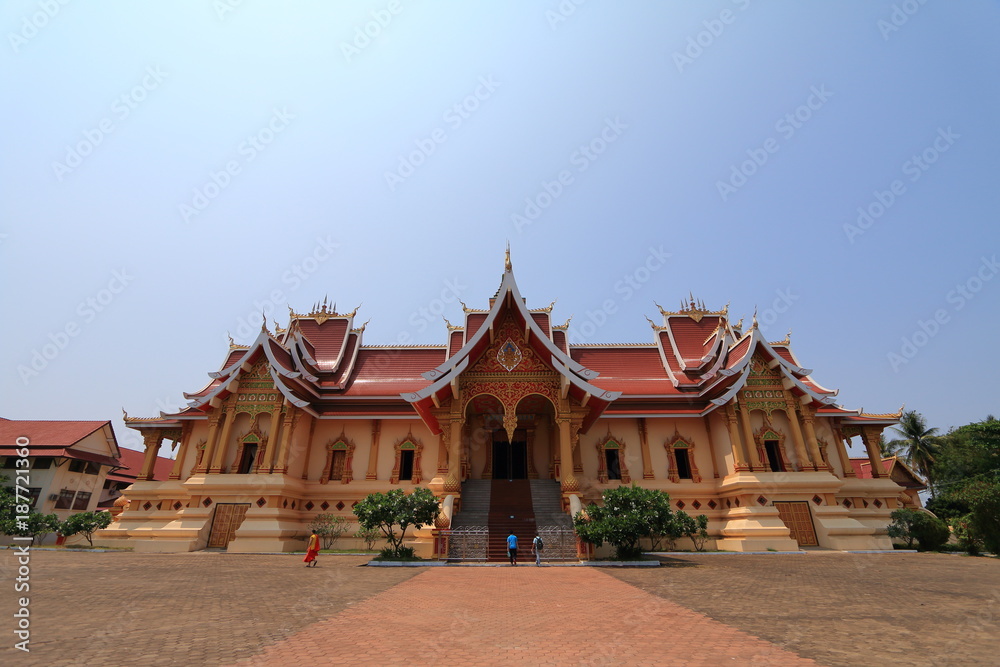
[698,360]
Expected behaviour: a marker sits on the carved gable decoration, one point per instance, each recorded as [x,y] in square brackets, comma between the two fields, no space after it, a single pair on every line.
[259,376]
[508,353]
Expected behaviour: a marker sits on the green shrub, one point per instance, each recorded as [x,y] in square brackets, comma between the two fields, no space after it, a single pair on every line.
[930,532]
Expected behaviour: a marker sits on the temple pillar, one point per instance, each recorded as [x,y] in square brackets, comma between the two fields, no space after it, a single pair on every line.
[754,455]
[373,452]
[287,426]
[152,440]
[178,468]
[739,457]
[797,443]
[870,436]
[213,436]
[845,459]
[453,483]
[711,446]
[647,462]
[270,442]
[569,482]
[219,455]
[811,442]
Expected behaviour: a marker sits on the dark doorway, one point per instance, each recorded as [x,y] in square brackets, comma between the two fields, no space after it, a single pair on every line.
[510,459]
[406,464]
[773,456]
[613,463]
[246,463]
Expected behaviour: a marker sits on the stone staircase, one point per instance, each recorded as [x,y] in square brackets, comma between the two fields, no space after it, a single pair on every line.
[475,505]
[546,498]
[511,509]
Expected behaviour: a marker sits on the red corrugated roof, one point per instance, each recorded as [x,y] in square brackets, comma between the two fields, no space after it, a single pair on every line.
[863,467]
[472,323]
[632,370]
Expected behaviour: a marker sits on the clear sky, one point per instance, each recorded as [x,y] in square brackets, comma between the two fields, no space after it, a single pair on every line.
[170,169]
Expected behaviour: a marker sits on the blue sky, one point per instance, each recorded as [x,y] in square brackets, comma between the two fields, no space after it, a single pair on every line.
[171,169]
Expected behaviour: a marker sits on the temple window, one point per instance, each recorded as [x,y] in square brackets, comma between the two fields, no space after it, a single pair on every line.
[407,466]
[683,463]
[250,445]
[611,460]
[771,448]
[680,459]
[339,458]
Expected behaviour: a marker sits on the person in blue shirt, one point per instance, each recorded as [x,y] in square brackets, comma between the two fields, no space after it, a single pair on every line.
[512,548]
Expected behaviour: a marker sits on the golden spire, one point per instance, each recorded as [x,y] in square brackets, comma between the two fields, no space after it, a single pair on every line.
[506,262]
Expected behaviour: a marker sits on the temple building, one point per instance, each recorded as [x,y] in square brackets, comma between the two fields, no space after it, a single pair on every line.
[308,419]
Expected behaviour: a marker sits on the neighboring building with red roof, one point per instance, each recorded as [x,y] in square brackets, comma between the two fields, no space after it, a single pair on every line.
[309,419]
[66,462]
[895,469]
[129,466]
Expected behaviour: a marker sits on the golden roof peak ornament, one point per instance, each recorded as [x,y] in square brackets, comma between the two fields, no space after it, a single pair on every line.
[124,415]
[506,262]
[753,325]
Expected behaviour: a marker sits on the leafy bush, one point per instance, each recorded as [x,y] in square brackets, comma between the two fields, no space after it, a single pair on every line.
[401,553]
[983,498]
[968,538]
[911,526]
[329,528]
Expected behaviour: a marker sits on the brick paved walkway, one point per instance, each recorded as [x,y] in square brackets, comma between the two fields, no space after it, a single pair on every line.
[527,615]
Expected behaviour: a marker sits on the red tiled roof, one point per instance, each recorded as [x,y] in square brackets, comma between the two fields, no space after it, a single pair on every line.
[542,320]
[472,324]
[132,462]
[327,338]
[47,433]
[863,467]
[391,371]
[690,335]
[632,370]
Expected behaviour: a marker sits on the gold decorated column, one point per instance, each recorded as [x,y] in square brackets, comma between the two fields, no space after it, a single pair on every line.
[152,440]
[213,437]
[271,442]
[739,457]
[287,426]
[220,448]
[870,435]
[373,452]
[754,455]
[647,463]
[453,482]
[711,445]
[178,468]
[845,459]
[797,443]
[566,476]
[812,442]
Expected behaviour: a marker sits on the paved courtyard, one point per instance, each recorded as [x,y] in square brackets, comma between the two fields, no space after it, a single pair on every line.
[214,608]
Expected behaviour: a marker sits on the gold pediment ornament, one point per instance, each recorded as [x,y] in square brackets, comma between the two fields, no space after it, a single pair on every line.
[509,355]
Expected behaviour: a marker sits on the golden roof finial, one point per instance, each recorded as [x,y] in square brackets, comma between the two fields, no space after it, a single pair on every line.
[124,415]
[506,262]
[754,324]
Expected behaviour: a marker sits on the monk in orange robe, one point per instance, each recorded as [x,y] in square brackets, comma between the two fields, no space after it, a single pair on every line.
[312,550]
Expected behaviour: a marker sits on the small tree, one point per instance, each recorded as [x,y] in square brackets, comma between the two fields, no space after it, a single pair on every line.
[369,536]
[386,511]
[329,527]
[697,530]
[901,527]
[87,523]
[629,514]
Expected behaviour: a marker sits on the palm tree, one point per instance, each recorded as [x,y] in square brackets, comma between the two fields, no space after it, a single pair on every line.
[889,448]
[919,443]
